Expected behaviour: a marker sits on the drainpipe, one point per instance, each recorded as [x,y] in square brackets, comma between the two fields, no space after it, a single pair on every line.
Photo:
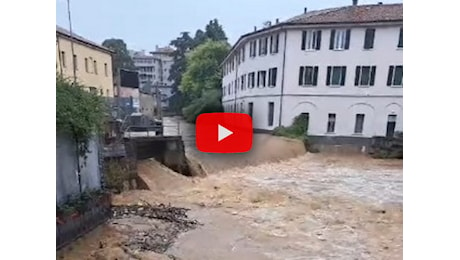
[282,79]
[236,85]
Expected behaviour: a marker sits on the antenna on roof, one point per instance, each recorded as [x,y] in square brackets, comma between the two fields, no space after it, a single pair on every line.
[305,10]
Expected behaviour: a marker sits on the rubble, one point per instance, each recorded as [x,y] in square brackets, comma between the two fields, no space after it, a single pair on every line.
[166,223]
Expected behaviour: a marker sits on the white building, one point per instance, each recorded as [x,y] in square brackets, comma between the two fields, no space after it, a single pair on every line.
[340,67]
[154,69]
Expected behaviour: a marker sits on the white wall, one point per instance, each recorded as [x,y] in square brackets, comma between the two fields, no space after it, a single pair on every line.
[376,102]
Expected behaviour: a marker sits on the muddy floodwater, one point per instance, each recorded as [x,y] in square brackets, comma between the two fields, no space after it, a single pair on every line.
[275,203]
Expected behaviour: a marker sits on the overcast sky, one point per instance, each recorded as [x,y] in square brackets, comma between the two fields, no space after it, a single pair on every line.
[142,24]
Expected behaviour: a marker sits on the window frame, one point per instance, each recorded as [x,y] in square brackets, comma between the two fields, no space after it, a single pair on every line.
[303,76]
[359,128]
[330,76]
[311,40]
[359,76]
[331,122]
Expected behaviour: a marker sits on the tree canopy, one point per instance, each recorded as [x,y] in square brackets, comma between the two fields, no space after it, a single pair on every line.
[202,79]
[121,58]
[186,60]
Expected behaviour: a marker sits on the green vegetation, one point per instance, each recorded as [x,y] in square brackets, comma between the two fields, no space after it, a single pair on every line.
[80,203]
[196,71]
[297,130]
[121,58]
[79,113]
[202,79]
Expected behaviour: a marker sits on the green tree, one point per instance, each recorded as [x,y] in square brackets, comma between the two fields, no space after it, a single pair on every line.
[201,81]
[214,31]
[121,58]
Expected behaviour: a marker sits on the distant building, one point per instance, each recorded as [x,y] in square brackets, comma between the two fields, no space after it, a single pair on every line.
[341,68]
[92,62]
[153,68]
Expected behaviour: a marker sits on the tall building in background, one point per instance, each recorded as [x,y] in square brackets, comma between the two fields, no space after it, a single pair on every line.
[153,68]
[92,62]
[341,68]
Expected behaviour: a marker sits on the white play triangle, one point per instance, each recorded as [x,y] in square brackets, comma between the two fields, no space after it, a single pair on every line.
[222,133]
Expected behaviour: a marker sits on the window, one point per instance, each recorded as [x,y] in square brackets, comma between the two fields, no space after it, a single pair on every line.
[274,43]
[75,62]
[252,48]
[228,89]
[243,52]
[365,75]
[400,40]
[101,91]
[86,65]
[106,70]
[369,39]
[95,67]
[306,118]
[251,80]
[261,78]
[271,113]
[241,108]
[311,40]
[331,123]
[250,108]
[107,92]
[395,76]
[272,77]
[236,85]
[223,91]
[359,123]
[263,42]
[243,81]
[93,90]
[63,62]
[340,39]
[308,76]
[336,75]
[391,125]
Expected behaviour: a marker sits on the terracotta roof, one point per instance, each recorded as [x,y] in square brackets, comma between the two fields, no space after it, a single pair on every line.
[352,14]
[62,31]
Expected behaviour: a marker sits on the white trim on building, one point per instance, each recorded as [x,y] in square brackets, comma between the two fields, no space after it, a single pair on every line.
[350,73]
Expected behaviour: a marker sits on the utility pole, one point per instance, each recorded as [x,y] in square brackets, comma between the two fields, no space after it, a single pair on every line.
[74,61]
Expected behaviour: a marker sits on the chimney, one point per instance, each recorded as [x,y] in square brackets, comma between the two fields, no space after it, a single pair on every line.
[355,2]
[305,10]
[277,21]
[255,28]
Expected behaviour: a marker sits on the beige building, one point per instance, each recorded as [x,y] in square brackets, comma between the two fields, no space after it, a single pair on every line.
[92,62]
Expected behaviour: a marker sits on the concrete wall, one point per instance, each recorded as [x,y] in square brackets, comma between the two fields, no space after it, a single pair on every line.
[66,168]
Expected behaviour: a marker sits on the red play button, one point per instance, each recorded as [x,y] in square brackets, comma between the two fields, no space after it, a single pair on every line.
[224,133]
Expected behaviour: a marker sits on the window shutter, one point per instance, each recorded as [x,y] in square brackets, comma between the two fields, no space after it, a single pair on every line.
[357,73]
[318,40]
[400,41]
[304,39]
[390,75]
[331,41]
[347,39]
[277,42]
[373,69]
[344,75]
[372,36]
[301,70]
[315,76]
[328,76]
